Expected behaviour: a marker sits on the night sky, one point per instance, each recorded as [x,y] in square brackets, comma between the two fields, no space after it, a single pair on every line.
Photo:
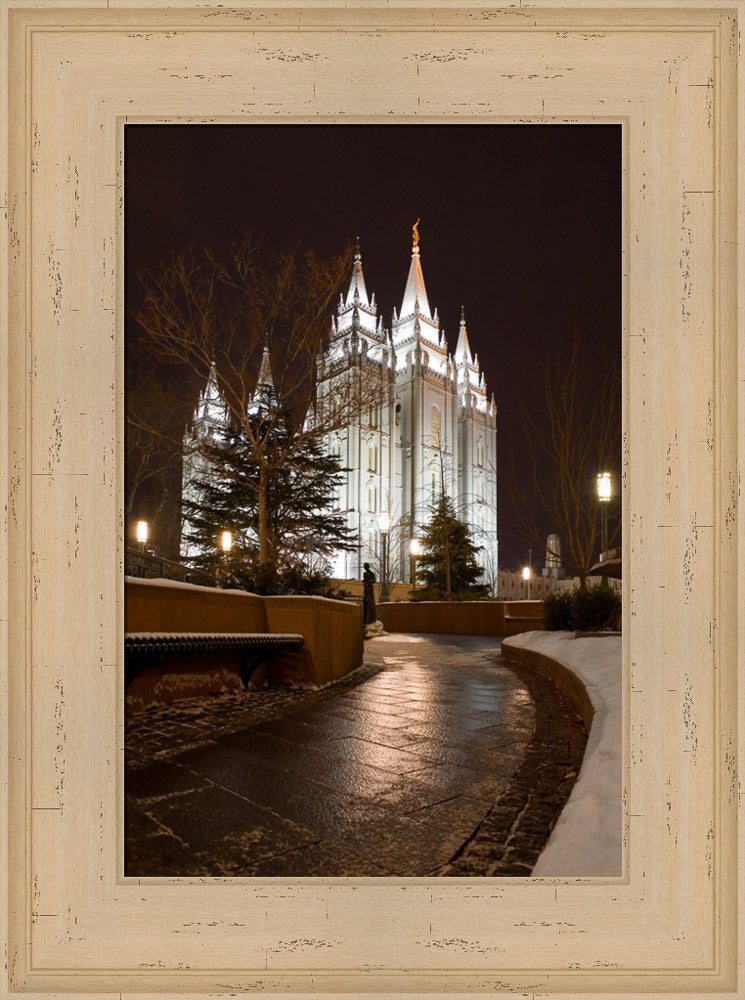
[521,224]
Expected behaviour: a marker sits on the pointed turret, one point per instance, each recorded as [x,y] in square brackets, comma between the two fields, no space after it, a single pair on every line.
[265,371]
[210,408]
[463,348]
[357,293]
[415,295]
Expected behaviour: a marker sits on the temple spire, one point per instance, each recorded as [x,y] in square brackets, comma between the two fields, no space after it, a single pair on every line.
[415,295]
[265,371]
[463,348]
[357,290]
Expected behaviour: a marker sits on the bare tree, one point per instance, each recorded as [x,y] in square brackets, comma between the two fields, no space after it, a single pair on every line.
[207,311]
[559,452]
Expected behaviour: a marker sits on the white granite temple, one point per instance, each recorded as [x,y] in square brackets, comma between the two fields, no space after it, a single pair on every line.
[431,427]
[434,428]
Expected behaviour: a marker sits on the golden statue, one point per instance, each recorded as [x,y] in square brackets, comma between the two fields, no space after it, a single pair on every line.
[415,233]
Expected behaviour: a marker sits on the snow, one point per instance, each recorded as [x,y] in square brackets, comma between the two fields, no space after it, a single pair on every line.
[587,838]
[375,629]
[160,581]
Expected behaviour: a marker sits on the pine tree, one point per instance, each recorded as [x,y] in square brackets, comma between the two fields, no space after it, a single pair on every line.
[303,528]
[448,567]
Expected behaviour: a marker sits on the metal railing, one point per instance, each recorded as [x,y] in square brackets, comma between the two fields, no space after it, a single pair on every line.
[148,566]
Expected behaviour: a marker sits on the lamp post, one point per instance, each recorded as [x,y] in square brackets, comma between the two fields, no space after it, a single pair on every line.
[141,533]
[384,525]
[526,576]
[604,495]
[226,544]
[415,549]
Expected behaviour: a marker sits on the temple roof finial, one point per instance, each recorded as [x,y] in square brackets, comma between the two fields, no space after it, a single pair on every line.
[415,294]
[415,235]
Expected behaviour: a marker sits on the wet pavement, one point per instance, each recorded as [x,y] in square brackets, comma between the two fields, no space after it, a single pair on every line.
[437,757]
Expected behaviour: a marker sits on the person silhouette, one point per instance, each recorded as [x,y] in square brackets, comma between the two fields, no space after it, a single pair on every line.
[369,611]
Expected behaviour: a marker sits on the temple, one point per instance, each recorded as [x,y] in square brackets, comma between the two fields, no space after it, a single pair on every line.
[430,427]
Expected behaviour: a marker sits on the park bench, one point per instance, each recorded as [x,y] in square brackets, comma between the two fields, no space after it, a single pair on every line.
[147,649]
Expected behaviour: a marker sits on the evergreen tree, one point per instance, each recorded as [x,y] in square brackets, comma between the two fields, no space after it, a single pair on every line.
[448,567]
[303,529]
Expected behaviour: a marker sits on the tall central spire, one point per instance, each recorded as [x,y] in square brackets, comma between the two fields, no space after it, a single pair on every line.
[415,294]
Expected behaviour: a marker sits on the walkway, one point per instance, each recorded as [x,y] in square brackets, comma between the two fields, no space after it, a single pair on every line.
[435,758]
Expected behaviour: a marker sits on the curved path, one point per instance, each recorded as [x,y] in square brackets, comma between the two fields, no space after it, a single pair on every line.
[435,758]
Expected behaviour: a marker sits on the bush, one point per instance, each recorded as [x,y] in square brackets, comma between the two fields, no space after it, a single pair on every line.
[597,607]
[557,611]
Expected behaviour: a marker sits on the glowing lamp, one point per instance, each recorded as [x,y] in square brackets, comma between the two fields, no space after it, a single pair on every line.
[604,487]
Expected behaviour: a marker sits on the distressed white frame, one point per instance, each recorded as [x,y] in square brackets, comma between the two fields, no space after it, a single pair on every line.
[670,927]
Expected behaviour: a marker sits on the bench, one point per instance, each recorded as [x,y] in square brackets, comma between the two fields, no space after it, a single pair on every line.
[147,649]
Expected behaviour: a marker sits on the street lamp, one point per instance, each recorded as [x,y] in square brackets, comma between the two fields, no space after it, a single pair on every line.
[226,544]
[604,495]
[415,549]
[141,533]
[527,576]
[384,525]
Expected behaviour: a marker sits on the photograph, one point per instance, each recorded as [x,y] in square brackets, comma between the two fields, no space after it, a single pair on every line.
[372,500]
[372,619]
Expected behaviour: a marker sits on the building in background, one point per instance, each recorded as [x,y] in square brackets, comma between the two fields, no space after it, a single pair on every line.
[430,426]
[553,568]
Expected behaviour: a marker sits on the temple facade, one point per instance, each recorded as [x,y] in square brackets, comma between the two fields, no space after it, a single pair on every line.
[430,427]
[427,426]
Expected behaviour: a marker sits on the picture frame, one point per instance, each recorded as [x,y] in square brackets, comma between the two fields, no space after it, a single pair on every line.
[76,72]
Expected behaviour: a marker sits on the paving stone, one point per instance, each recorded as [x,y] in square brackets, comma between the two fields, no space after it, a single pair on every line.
[159,779]
[436,758]
[220,824]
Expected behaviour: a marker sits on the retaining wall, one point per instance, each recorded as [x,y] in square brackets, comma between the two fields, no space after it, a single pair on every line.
[588,837]
[331,629]
[499,618]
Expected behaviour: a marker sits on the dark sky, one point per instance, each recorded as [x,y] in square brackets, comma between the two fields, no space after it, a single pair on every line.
[519,223]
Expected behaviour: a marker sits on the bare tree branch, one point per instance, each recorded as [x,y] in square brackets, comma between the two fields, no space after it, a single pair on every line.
[552,473]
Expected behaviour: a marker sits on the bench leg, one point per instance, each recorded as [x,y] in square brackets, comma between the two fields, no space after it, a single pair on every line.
[248,669]
[135,662]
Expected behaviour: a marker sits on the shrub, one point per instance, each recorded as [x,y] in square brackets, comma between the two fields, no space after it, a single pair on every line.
[557,611]
[596,607]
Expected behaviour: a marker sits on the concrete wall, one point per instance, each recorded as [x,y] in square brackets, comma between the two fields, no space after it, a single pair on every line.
[332,631]
[500,618]
[168,606]
[397,591]
[333,638]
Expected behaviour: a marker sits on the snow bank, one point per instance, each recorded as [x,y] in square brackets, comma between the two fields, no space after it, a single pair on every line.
[587,838]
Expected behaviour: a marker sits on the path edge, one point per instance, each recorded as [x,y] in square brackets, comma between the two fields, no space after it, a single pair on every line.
[587,840]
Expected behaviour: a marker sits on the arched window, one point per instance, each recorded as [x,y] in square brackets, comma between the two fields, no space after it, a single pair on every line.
[480,452]
[372,499]
[372,458]
[435,426]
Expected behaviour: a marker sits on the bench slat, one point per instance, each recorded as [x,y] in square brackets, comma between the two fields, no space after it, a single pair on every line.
[146,648]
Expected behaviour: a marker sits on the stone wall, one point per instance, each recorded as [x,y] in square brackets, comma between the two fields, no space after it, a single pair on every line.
[501,618]
[332,631]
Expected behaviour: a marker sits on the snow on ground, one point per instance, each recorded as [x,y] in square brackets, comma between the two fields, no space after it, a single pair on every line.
[587,838]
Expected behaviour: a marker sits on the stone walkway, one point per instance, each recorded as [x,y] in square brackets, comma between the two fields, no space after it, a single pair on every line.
[435,758]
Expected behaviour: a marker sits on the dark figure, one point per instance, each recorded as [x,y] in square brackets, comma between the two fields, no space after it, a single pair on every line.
[369,612]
